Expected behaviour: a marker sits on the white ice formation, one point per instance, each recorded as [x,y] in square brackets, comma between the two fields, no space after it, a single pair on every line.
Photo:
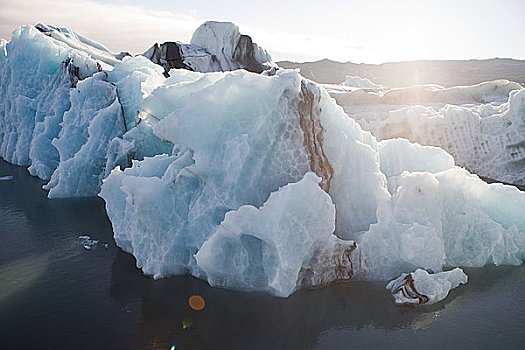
[420,287]
[250,181]
[481,126]
[358,82]
[215,47]
[212,207]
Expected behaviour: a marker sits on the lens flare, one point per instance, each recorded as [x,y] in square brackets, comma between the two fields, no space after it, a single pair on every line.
[186,323]
[196,302]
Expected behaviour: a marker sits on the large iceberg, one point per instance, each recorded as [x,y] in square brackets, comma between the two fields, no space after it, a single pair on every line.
[249,181]
[245,146]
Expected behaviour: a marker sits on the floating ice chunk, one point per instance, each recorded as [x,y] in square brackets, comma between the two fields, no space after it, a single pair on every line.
[6,178]
[358,82]
[267,248]
[361,93]
[420,287]
[88,243]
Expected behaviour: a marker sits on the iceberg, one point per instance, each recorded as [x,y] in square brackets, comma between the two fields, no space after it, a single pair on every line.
[398,206]
[420,287]
[481,126]
[486,139]
[215,47]
[249,181]
[358,82]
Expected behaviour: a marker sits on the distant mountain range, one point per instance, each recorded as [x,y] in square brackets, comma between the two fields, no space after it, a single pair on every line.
[400,74]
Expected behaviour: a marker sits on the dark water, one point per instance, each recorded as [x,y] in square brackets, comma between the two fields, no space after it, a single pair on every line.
[54,294]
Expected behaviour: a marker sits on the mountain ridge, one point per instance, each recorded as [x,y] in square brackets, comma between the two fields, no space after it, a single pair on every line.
[407,73]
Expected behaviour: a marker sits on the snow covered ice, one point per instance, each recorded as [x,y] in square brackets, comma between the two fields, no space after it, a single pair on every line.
[255,181]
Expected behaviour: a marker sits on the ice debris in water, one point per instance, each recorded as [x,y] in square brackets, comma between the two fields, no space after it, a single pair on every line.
[6,178]
[87,242]
[421,287]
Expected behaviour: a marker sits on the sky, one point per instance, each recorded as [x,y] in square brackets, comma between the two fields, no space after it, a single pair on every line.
[364,31]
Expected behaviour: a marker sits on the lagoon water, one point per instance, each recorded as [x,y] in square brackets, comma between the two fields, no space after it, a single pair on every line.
[55,294]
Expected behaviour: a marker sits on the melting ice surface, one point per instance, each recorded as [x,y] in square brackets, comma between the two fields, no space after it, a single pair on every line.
[249,181]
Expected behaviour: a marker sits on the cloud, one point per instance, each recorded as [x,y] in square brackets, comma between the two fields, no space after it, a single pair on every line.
[118,27]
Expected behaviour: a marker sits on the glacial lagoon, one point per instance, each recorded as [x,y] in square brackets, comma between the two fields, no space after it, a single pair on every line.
[54,294]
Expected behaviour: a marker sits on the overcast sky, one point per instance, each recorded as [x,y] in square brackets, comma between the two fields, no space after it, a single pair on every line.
[370,31]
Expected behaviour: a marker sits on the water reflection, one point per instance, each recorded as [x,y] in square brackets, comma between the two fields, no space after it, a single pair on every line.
[240,320]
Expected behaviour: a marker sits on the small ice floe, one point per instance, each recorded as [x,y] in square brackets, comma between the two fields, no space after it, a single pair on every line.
[6,178]
[420,287]
[87,242]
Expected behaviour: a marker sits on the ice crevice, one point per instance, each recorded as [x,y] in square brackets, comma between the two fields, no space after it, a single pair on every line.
[309,111]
